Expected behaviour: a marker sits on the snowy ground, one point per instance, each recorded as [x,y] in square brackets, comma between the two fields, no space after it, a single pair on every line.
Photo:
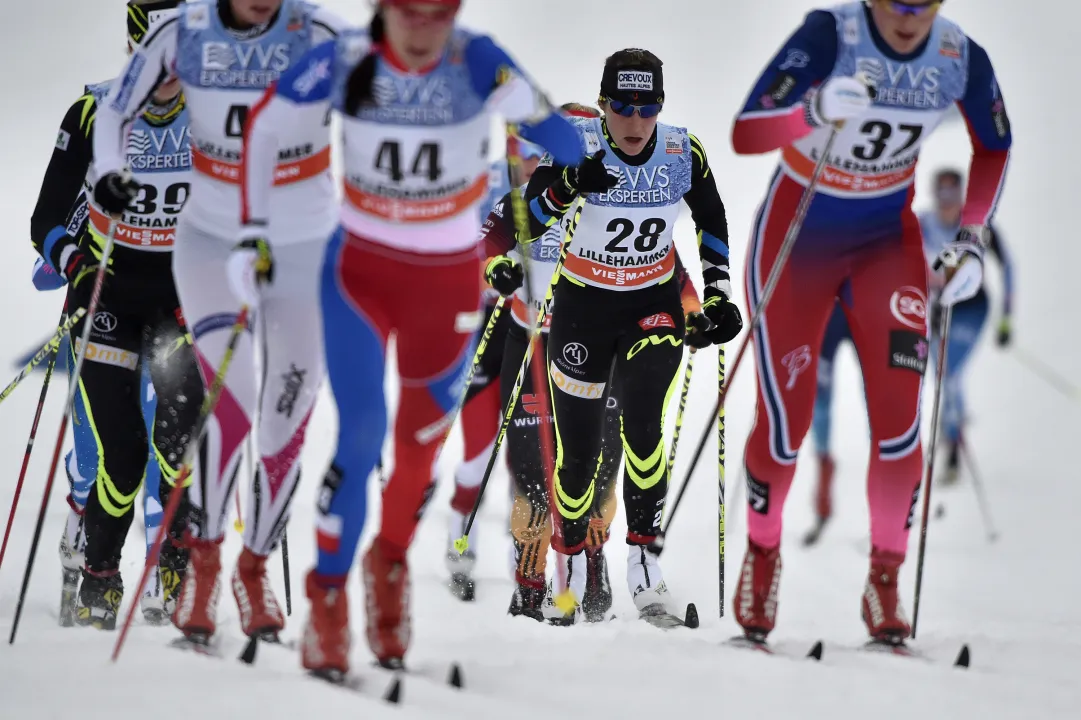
[1013,602]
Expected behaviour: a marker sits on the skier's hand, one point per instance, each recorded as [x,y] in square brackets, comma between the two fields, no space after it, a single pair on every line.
[251,265]
[591,176]
[839,99]
[961,263]
[724,317]
[697,327]
[1005,332]
[72,264]
[115,191]
[503,274]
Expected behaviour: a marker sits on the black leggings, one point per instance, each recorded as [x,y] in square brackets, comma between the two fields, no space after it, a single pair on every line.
[641,332]
[531,524]
[132,326]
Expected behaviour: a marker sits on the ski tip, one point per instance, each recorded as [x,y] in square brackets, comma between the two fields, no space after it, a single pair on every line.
[455,679]
[248,656]
[691,619]
[394,692]
[816,651]
[963,657]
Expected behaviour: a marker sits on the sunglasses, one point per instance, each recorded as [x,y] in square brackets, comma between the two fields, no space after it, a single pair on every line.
[411,12]
[627,110]
[902,8]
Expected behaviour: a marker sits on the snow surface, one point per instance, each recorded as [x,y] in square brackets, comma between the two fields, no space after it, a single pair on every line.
[1013,601]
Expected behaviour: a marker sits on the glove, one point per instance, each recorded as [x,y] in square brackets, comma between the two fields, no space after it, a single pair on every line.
[504,275]
[72,264]
[115,191]
[1004,331]
[697,326]
[251,265]
[837,100]
[962,264]
[591,176]
[722,321]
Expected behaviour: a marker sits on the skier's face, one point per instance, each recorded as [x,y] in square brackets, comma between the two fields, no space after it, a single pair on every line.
[904,24]
[255,12]
[948,200]
[418,31]
[630,133]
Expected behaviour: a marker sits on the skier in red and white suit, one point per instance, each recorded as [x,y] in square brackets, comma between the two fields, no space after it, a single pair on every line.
[885,72]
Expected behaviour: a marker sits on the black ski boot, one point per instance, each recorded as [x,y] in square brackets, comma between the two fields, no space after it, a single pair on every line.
[100,596]
[528,600]
[597,600]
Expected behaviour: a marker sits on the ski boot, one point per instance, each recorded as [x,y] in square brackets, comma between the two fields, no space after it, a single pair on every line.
[645,581]
[529,598]
[597,600]
[196,610]
[100,595]
[755,604]
[881,605]
[952,472]
[72,543]
[325,647]
[563,605]
[159,599]
[260,613]
[460,566]
[387,586]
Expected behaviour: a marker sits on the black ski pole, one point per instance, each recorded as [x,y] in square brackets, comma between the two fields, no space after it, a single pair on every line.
[285,569]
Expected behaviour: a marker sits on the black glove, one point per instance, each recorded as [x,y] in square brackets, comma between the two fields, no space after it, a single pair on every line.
[724,317]
[115,191]
[71,262]
[504,275]
[591,176]
[697,327]
[1005,331]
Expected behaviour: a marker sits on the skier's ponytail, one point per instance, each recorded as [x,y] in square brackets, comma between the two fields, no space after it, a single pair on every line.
[358,91]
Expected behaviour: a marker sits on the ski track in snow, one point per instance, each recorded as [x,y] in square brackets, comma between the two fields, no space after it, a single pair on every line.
[1014,602]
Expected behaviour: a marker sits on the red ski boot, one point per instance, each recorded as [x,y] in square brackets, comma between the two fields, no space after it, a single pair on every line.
[325,649]
[197,607]
[823,493]
[755,603]
[260,613]
[881,607]
[386,583]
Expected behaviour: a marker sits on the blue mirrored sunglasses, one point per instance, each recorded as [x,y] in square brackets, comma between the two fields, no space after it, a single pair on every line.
[902,8]
[627,110]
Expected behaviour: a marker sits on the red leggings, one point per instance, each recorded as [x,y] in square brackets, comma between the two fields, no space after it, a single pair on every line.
[883,290]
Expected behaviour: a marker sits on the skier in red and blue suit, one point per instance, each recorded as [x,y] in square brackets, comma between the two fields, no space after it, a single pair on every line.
[884,73]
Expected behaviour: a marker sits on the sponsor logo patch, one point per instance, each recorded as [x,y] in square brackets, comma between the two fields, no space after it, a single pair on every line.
[908,350]
[634,80]
[660,320]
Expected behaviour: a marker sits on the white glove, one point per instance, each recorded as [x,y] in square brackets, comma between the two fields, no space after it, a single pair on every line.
[962,262]
[251,265]
[839,99]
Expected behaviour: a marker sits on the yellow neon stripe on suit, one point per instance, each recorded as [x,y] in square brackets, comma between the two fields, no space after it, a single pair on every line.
[636,466]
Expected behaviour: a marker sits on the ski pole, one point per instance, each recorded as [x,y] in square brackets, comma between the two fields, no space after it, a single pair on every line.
[720,480]
[929,467]
[981,493]
[1047,373]
[756,318]
[33,434]
[462,543]
[51,345]
[69,404]
[210,402]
